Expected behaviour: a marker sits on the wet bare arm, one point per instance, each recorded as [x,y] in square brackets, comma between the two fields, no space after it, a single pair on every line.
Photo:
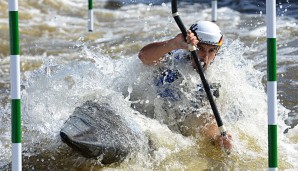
[211,132]
[153,52]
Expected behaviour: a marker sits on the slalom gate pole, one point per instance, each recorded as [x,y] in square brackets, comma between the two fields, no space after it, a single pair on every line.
[271,85]
[16,130]
[214,10]
[90,15]
[194,55]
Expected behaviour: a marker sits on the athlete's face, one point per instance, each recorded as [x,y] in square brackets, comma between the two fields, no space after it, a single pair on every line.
[206,53]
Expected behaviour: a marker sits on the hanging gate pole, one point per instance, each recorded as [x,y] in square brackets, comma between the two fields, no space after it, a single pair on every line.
[271,85]
[16,130]
[90,15]
[214,10]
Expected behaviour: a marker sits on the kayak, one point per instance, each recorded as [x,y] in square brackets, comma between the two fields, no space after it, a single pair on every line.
[97,131]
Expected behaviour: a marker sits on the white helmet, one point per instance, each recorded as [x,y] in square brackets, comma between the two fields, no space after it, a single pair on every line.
[207,32]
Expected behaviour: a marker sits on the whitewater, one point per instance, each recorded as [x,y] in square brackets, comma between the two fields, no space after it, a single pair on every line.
[63,65]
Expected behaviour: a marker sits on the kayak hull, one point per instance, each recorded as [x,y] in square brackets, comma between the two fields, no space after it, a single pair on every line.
[96,131]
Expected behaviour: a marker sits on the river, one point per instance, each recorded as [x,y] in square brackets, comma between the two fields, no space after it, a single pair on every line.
[63,65]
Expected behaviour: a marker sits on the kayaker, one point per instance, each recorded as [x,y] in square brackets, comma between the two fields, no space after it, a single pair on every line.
[207,37]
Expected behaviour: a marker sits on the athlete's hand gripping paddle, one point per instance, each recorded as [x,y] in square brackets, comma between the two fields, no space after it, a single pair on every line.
[206,86]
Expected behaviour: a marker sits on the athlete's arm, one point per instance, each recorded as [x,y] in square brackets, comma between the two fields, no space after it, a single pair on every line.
[211,132]
[153,52]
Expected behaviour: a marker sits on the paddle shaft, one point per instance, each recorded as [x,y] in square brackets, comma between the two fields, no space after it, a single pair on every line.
[199,70]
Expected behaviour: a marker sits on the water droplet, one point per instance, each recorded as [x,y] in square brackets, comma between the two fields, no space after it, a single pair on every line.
[149,7]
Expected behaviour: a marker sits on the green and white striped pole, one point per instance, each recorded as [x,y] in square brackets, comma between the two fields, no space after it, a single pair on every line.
[90,15]
[271,85]
[16,130]
[214,10]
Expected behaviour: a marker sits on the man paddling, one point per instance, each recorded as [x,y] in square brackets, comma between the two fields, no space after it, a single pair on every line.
[207,37]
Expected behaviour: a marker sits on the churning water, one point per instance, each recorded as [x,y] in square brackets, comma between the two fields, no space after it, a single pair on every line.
[63,65]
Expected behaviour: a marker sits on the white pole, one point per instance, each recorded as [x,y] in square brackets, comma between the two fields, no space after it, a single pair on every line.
[214,10]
